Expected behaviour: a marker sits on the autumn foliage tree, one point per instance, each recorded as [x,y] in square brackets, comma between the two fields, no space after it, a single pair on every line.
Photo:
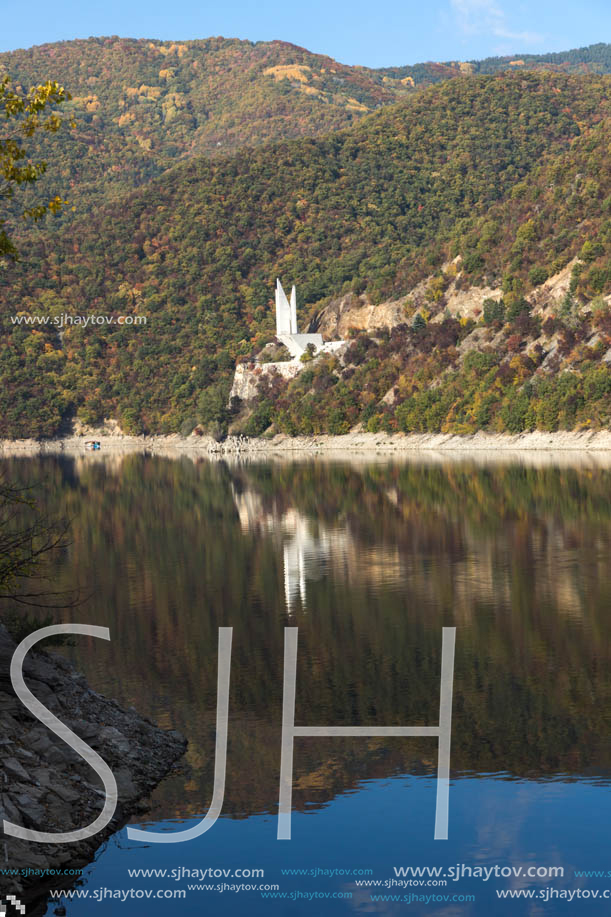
[25,113]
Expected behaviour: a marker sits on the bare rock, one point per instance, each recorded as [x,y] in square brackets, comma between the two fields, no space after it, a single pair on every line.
[45,785]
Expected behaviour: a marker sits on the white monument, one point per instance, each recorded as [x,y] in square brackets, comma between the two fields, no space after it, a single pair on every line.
[286,327]
[286,313]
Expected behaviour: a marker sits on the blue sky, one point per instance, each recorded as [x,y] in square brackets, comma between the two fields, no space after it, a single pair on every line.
[352,31]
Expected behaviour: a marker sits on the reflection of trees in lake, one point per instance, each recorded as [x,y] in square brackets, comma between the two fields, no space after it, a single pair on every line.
[478,539]
[386,554]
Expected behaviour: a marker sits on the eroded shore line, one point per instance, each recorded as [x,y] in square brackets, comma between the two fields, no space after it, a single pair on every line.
[398,443]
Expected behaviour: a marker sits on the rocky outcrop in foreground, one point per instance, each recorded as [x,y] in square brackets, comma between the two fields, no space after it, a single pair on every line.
[46,786]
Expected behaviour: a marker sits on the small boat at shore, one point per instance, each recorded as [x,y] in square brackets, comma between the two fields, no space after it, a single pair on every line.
[93,445]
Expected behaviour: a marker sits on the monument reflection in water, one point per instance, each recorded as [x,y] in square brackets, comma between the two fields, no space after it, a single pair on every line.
[370,561]
[306,555]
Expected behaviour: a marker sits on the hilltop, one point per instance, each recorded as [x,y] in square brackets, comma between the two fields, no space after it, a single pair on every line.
[142,105]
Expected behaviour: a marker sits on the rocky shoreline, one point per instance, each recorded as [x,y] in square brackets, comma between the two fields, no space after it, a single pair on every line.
[46,786]
[361,442]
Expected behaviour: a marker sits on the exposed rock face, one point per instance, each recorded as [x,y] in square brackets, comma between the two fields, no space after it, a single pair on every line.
[550,294]
[46,786]
[248,375]
[357,312]
[469,303]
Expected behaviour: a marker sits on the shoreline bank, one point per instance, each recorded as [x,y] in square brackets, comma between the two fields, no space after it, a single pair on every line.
[396,443]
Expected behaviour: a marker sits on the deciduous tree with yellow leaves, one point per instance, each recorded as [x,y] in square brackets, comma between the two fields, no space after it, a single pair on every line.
[25,113]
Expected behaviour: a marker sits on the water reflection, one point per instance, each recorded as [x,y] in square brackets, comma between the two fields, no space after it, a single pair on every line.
[308,550]
[370,559]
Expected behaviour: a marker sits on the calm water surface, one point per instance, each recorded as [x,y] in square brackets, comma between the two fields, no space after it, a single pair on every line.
[370,561]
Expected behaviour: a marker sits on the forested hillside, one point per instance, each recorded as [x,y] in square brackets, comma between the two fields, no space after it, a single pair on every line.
[511,172]
[593,59]
[139,106]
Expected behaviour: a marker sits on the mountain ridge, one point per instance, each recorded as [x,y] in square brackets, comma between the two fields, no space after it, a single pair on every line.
[142,104]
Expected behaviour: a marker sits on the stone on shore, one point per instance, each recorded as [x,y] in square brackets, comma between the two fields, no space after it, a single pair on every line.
[46,786]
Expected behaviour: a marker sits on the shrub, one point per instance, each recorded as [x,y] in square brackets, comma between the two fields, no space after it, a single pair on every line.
[591,250]
[131,422]
[537,275]
[514,413]
[599,304]
[479,362]
[275,353]
[187,426]
[308,356]
[516,307]
[212,406]
[472,262]
[494,311]
[259,420]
